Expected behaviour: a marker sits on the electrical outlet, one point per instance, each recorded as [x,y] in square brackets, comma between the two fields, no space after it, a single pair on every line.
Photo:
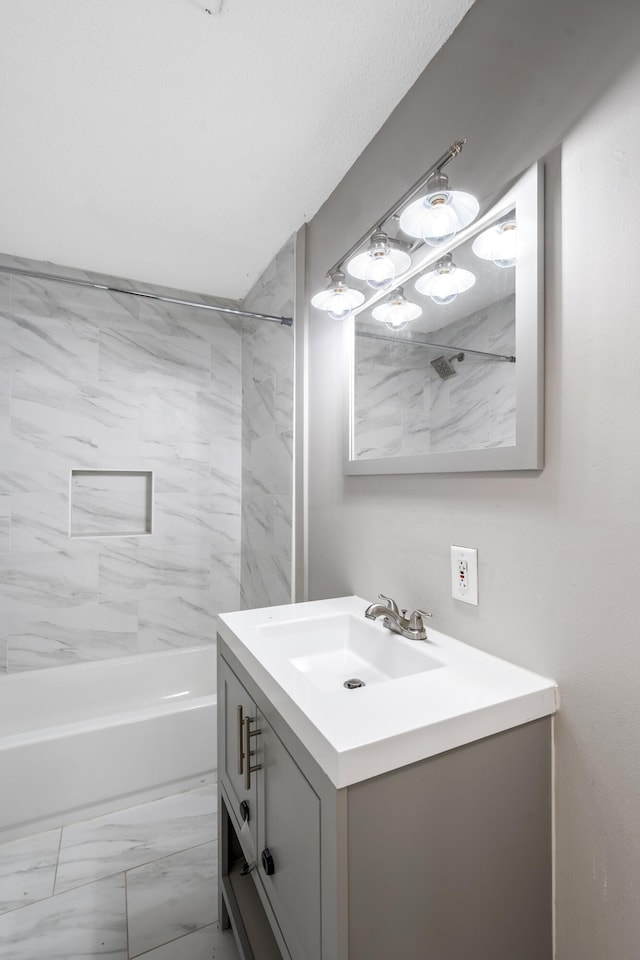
[464,574]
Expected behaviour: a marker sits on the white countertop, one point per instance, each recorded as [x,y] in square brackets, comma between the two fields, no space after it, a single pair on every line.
[357,734]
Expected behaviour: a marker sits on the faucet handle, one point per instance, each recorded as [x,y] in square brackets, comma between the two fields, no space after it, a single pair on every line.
[416,619]
[392,604]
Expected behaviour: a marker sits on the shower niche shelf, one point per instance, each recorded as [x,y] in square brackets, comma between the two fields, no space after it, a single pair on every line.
[110,503]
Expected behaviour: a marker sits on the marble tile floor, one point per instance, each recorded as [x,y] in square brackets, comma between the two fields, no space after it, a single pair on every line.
[140,882]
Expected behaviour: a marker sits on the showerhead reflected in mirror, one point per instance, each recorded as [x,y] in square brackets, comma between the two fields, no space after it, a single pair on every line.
[457,388]
[406,400]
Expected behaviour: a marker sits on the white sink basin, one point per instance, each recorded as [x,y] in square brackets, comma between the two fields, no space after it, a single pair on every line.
[329,651]
[420,698]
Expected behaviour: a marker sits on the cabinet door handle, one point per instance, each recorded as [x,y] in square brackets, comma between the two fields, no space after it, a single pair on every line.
[267,862]
[240,741]
[248,752]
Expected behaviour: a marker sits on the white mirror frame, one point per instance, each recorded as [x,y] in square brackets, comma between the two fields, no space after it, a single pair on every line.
[527,452]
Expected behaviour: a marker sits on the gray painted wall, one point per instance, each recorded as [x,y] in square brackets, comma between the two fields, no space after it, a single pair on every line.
[558,592]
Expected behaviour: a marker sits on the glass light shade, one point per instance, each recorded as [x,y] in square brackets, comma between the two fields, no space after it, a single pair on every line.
[373,267]
[396,312]
[437,218]
[498,243]
[445,282]
[338,300]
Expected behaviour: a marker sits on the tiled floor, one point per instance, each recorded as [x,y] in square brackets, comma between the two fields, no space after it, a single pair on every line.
[140,882]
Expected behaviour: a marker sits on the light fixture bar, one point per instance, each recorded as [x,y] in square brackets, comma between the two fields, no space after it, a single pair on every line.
[433,254]
[452,152]
[283,321]
[440,346]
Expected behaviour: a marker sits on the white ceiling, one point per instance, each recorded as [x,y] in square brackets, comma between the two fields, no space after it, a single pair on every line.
[182,142]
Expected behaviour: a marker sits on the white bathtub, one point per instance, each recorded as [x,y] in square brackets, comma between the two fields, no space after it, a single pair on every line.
[80,740]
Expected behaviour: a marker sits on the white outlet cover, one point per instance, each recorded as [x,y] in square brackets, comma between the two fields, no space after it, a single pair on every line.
[464,574]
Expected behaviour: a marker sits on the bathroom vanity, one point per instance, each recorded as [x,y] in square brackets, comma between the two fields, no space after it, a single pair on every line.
[409,817]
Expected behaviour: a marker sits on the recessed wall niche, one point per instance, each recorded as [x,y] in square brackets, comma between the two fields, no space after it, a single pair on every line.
[111,503]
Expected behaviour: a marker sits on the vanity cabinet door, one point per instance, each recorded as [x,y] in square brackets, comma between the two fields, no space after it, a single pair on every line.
[234,697]
[289,832]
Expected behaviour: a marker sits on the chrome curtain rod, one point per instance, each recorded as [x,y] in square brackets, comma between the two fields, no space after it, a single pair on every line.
[440,346]
[283,321]
[452,152]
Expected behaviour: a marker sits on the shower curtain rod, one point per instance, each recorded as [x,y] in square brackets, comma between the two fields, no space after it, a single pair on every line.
[440,346]
[283,321]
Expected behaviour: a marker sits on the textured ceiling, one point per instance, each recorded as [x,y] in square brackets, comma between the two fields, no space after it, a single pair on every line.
[182,142]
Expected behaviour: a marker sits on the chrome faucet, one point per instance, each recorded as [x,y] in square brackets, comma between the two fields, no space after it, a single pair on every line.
[411,627]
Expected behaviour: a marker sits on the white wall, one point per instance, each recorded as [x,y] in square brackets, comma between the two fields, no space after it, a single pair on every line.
[558,588]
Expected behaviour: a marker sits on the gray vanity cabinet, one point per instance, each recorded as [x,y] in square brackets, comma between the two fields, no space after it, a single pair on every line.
[233,698]
[447,857]
[282,814]
[289,828]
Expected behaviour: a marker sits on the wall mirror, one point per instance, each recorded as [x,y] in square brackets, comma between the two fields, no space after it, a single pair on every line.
[458,388]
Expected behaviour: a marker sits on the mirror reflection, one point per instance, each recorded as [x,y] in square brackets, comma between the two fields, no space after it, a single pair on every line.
[443,380]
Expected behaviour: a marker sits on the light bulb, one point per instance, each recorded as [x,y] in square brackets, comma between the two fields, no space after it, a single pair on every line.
[437,217]
[396,311]
[443,289]
[507,240]
[338,300]
[338,306]
[381,263]
[380,271]
[397,327]
[498,244]
[445,281]
[439,222]
[396,319]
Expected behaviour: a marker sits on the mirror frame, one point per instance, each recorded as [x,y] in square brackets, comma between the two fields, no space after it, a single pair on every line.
[527,452]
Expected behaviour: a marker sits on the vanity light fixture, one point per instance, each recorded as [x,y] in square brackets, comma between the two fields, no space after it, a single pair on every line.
[396,311]
[438,216]
[445,281]
[338,299]
[381,263]
[379,257]
[498,243]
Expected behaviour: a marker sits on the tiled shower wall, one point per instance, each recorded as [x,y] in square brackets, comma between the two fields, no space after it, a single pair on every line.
[267,438]
[403,407]
[95,381]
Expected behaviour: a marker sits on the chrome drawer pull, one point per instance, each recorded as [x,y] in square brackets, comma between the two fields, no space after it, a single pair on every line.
[248,752]
[240,749]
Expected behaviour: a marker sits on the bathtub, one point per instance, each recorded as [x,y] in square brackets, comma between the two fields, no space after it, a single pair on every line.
[89,738]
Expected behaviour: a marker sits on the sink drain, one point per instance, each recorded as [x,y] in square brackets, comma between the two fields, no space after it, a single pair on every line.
[353,684]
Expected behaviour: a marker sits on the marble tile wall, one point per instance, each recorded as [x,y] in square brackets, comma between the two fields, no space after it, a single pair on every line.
[110,503]
[403,407]
[267,438]
[94,380]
